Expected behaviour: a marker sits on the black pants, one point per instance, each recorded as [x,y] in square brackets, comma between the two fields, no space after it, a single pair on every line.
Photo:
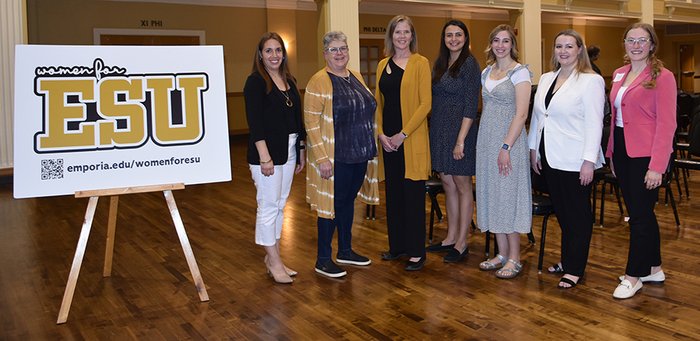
[645,243]
[572,206]
[347,181]
[405,207]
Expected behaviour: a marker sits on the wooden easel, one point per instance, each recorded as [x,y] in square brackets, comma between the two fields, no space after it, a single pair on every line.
[111,227]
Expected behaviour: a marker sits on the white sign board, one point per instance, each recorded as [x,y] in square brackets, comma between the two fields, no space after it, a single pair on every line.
[99,117]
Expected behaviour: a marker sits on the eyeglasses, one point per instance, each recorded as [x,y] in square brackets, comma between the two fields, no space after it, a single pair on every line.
[640,41]
[342,49]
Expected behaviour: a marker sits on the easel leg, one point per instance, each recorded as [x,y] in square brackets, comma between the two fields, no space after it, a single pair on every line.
[111,228]
[77,261]
[186,248]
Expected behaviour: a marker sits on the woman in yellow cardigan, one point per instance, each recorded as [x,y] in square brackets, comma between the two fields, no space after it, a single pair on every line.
[403,102]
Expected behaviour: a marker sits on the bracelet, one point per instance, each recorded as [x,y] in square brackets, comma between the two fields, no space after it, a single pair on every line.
[268,161]
[302,147]
[460,145]
[404,134]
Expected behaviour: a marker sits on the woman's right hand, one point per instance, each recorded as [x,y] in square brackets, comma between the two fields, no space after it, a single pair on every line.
[267,168]
[326,169]
[534,163]
[386,144]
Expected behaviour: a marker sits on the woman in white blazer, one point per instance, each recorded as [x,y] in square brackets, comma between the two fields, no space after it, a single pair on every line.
[564,140]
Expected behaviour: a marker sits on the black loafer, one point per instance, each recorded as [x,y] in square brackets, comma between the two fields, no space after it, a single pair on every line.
[439,247]
[454,256]
[415,266]
[391,256]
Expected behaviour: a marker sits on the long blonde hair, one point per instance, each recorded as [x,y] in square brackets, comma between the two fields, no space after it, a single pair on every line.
[389,36]
[490,56]
[583,63]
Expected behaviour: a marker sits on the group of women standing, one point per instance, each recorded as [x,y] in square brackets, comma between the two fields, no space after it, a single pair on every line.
[343,121]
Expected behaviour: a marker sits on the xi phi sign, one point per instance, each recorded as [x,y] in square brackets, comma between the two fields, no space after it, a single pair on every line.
[99,117]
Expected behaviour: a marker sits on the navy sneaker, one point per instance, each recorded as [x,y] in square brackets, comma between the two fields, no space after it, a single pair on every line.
[350,257]
[330,269]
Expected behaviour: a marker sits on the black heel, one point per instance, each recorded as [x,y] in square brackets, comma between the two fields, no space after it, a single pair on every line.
[569,282]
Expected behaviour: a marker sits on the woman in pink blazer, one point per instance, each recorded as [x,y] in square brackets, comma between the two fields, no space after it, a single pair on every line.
[643,98]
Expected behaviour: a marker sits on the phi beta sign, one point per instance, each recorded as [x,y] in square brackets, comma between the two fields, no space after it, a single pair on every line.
[99,117]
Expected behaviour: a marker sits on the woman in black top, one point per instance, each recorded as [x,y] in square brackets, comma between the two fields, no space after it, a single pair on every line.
[276,145]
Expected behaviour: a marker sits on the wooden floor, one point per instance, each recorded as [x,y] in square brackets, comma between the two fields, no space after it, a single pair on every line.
[151,296]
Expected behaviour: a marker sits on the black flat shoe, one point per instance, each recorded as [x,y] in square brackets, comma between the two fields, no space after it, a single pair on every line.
[415,266]
[391,256]
[454,256]
[439,247]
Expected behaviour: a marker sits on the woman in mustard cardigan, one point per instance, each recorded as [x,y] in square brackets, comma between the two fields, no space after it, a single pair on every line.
[403,102]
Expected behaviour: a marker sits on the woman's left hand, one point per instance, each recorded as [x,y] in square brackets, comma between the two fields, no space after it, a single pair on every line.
[397,140]
[653,179]
[326,169]
[458,151]
[586,174]
[504,166]
[302,162]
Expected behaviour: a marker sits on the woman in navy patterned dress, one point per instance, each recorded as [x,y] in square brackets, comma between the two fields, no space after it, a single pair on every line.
[456,83]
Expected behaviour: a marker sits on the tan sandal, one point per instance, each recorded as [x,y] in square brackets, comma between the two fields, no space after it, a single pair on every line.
[487,265]
[504,273]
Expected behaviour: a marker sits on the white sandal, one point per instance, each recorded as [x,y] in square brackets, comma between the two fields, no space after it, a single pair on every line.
[487,265]
[510,273]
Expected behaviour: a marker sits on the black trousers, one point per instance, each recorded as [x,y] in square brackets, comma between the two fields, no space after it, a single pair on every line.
[348,178]
[405,207]
[572,206]
[645,243]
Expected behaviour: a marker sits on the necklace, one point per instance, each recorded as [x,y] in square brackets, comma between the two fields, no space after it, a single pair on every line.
[345,78]
[288,100]
[499,73]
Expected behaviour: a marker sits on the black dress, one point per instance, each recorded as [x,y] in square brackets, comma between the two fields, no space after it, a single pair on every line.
[405,198]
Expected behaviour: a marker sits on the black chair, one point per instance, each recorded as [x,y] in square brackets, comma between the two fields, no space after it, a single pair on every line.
[541,206]
[607,178]
[684,152]
[433,187]
[687,163]
[666,183]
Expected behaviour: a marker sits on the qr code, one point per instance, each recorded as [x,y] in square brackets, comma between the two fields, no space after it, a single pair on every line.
[51,169]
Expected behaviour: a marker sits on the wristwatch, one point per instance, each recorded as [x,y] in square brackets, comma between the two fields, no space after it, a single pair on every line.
[506,147]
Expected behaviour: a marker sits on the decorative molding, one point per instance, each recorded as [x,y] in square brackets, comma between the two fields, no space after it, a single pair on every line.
[304,5]
[685,19]
[593,13]
[672,5]
[467,9]
[98,32]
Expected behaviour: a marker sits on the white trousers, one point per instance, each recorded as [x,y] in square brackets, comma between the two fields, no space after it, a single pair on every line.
[272,194]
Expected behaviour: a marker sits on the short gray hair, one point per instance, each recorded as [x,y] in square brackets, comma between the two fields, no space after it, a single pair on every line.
[332,36]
